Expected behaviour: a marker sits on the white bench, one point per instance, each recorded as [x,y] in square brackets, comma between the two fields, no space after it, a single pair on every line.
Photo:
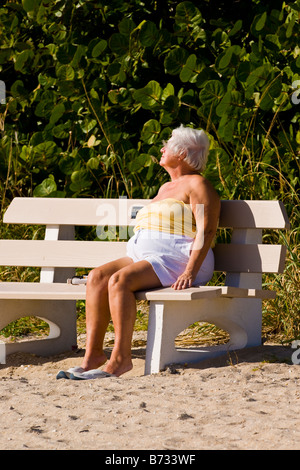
[235,307]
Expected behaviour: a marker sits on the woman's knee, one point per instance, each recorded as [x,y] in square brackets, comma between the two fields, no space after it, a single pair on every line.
[118,280]
[97,278]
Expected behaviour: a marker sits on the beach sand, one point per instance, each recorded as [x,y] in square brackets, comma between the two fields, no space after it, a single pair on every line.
[249,399]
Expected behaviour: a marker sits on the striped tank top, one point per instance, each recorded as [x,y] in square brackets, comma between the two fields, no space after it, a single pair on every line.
[168,216]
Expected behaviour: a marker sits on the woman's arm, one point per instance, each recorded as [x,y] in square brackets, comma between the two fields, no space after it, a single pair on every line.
[205,204]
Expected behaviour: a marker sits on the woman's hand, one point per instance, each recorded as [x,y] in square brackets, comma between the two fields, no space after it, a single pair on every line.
[183,281]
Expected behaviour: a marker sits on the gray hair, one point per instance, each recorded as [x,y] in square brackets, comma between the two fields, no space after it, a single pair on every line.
[192,143]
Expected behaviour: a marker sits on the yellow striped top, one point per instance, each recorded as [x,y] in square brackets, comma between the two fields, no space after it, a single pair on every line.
[168,216]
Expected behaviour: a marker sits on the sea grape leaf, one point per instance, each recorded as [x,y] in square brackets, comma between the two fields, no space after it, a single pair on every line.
[149,96]
[45,188]
[212,93]
[175,60]
[151,131]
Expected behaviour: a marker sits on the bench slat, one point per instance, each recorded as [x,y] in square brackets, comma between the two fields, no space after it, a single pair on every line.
[90,254]
[194,293]
[68,211]
[61,253]
[60,211]
[258,258]
[253,214]
[41,291]
[64,291]
[167,293]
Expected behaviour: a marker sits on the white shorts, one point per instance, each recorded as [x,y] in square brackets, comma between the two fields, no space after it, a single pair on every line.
[168,254]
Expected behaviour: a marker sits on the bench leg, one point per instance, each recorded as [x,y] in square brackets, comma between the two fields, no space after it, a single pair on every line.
[241,318]
[59,314]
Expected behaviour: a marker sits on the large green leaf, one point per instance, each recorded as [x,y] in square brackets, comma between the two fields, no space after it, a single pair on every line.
[30,5]
[212,93]
[151,131]
[175,60]
[119,44]
[99,48]
[229,58]
[270,92]
[260,21]
[149,96]
[231,103]
[80,180]
[187,13]
[57,113]
[259,76]
[236,28]
[46,149]
[79,53]
[189,68]
[62,131]
[116,72]
[65,72]
[126,26]
[22,59]
[46,188]
[148,34]
[170,105]
[136,161]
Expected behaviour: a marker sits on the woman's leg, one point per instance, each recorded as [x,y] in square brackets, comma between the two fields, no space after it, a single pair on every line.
[98,312]
[121,288]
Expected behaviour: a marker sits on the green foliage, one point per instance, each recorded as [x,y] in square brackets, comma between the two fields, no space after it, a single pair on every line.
[94,87]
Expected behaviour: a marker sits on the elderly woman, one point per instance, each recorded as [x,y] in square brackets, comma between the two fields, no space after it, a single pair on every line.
[162,252]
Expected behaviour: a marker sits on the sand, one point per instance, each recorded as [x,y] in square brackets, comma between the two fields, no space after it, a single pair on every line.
[249,399]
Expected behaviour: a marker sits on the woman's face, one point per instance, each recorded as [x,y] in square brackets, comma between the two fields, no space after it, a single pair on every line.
[167,158]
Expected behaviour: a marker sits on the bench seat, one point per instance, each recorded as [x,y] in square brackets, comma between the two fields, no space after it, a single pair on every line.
[65,291]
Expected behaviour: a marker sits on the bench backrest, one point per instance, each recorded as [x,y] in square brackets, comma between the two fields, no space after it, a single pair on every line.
[244,259]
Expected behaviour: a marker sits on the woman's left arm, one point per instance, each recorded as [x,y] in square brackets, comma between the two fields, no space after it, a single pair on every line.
[205,204]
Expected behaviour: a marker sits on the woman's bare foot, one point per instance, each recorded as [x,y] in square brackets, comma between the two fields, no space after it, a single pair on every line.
[93,362]
[118,366]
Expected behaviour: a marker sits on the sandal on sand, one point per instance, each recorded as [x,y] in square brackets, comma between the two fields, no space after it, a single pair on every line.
[66,374]
[90,374]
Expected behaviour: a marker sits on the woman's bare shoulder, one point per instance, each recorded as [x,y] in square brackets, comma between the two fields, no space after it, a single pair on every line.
[199,182]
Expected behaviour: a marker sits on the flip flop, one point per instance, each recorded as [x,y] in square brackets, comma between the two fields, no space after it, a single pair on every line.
[90,375]
[66,374]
